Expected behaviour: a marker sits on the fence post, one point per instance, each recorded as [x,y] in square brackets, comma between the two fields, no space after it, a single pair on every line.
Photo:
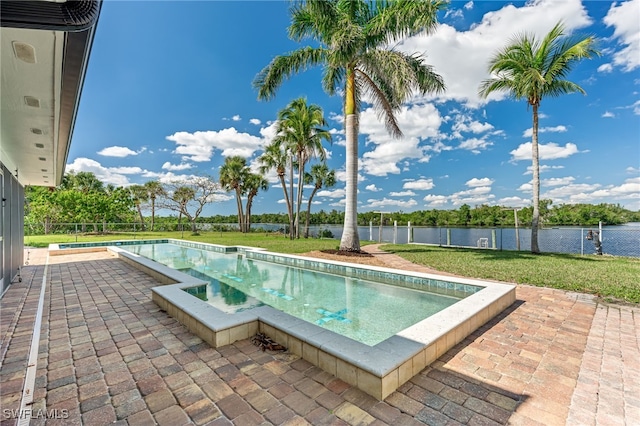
[408,232]
[370,230]
[395,232]
[581,242]
[448,236]
[76,232]
[493,238]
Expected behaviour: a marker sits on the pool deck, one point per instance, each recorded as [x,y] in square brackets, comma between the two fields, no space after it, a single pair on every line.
[108,355]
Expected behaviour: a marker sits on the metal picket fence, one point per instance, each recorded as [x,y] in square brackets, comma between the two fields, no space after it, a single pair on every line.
[615,240]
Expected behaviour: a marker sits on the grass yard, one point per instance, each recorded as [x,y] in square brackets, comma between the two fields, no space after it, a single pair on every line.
[612,278]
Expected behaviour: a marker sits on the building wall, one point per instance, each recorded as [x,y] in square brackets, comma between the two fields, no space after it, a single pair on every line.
[12,227]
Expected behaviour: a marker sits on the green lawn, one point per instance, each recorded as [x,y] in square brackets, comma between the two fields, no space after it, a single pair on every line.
[613,278]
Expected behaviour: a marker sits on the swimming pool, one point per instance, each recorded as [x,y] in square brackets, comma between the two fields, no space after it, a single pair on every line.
[377,369]
[362,309]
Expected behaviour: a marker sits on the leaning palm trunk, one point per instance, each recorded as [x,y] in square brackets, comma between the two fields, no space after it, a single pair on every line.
[301,161]
[291,219]
[286,198]
[350,240]
[535,222]
[240,212]
[306,226]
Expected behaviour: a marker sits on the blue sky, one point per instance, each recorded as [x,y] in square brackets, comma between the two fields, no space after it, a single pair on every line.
[168,95]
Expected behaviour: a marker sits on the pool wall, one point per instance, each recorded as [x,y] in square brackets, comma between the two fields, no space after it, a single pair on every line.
[377,370]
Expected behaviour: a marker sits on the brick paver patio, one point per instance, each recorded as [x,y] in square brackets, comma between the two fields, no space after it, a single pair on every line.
[108,355]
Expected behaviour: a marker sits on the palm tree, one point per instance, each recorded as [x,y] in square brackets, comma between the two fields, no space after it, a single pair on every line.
[232,175]
[321,177]
[140,195]
[355,47]
[154,189]
[300,130]
[276,157]
[252,184]
[531,69]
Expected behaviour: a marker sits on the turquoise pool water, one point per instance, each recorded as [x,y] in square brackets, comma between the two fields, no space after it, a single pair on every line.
[363,310]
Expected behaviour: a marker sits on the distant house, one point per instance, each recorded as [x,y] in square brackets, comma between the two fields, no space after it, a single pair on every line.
[45,48]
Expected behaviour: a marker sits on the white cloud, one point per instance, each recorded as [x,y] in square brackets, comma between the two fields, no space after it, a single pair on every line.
[464,123]
[461,57]
[624,18]
[236,118]
[468,5]
[557,181]
[402,194]
[558,129]
[605,68]
[199,146]
[418,123]
[117,151]
[513,202]
[475,145]
[372,188]
[176,167]
[255,121]
[454,14]
[108,175]
[420,184]
[543,168]
[475,182]
[335,193]
[386,202]
[435,201]
[550,151]
[632,170]
[608,114]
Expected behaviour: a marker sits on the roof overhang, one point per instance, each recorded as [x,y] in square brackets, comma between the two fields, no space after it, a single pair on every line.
[45,48]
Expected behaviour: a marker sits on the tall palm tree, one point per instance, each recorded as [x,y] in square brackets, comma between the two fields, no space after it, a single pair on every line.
[300,130]
[253,183]
[321,177]
[276,157]
[154,189]
[232,175]
[140,196]
[355,48]
[531,69]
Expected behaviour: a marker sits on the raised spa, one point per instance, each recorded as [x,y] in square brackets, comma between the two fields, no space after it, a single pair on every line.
[372,327]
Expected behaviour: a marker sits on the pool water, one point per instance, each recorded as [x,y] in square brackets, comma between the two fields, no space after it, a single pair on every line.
[363,310]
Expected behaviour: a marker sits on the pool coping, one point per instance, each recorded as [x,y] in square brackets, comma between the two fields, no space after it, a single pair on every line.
[378,370]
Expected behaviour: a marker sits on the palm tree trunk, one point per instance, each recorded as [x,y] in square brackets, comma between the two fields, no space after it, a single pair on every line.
[291,225]
[535,222]
[350,240]
[141,217]
[286,198]
[301,162]
[240,213]
[153,212]
[247,220]
[306,227]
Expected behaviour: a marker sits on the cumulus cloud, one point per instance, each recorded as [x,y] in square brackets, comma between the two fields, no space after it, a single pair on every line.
[418,123]
[468,5]
[435,201]
[543,168]
[176,167]
[475,182]
[108,175]
[513,202]
[387,202]
[461,57]
[475,145]
[557,129]
[402,194]
[335,193]
[372,188]
[557,181]
[255,121]
[117,151]
[608,114]
[236,118]
[623,17]
[199,146]
[550,151]
[419,184]
[605,68]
